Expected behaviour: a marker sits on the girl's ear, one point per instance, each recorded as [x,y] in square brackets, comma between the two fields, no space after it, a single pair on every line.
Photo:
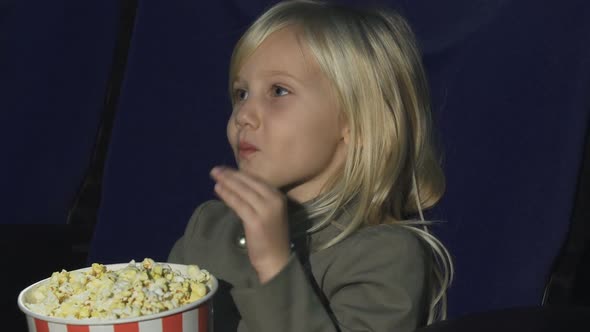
[344,128]
[345,134]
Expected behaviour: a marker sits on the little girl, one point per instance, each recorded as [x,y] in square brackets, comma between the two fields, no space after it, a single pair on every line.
[316,230]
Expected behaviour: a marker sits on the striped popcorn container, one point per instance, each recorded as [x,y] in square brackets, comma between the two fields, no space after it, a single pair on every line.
[194,317]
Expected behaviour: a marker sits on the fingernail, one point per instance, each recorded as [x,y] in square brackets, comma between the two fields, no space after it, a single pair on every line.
[216,170]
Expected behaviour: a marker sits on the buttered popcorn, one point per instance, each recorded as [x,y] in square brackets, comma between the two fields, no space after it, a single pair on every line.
[135,290]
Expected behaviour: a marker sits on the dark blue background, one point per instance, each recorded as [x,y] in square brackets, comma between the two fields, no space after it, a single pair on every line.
[510,87]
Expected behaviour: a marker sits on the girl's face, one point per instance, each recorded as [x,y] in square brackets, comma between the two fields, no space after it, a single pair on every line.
[286,128]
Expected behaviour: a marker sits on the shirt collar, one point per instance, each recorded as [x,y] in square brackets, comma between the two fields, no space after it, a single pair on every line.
[300,221]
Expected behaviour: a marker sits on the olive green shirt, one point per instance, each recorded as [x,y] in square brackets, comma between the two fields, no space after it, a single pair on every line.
[374,280]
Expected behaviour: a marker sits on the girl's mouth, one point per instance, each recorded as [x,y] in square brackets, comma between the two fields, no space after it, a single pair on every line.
[246,149]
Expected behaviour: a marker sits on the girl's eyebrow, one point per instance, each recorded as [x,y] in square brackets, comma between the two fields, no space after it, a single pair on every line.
[237,80]
[269,73]
[281,73]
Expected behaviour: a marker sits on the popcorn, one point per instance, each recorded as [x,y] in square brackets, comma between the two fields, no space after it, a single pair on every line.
[135,290]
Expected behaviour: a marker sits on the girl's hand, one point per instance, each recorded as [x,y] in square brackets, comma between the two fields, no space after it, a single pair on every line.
[263,211]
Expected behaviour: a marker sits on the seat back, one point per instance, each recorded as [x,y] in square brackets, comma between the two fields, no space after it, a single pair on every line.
[510,87]
[55,60]
[170,127]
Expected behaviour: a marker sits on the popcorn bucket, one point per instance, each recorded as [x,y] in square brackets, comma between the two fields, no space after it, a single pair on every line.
[193,317]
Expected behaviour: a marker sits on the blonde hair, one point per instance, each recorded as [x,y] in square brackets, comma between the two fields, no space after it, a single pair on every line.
[391,171]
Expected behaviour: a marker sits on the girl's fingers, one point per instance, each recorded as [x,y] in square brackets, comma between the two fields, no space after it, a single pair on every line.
[265,204]
[262,210]
[235,201]
[261,188]
[237,193]
[252,190]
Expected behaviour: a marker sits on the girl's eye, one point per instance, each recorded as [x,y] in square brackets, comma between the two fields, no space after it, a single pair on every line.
[279,91]
[240,94]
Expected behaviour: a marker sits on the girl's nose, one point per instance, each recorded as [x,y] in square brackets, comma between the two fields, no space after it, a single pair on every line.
[247,114]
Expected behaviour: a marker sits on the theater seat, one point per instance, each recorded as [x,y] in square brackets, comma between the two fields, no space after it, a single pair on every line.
[55,60]
[169,129]
[510,84]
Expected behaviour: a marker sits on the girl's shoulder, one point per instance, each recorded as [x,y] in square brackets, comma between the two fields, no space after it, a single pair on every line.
[390,256]
[211,207]
[210,217]
[388,239]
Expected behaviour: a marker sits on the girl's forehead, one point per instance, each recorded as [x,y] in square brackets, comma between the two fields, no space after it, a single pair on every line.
[282,52]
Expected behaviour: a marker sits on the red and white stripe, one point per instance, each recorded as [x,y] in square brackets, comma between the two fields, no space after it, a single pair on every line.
[196,320]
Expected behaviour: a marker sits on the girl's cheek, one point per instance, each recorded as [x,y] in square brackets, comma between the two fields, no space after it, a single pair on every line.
[279,103]
[231,130]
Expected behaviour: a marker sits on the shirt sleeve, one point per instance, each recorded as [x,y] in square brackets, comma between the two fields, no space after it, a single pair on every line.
[375,283]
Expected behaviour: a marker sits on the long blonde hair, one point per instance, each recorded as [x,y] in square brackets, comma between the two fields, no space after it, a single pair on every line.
[391,171]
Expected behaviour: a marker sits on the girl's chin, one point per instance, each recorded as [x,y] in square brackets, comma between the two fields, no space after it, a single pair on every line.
[252,172]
